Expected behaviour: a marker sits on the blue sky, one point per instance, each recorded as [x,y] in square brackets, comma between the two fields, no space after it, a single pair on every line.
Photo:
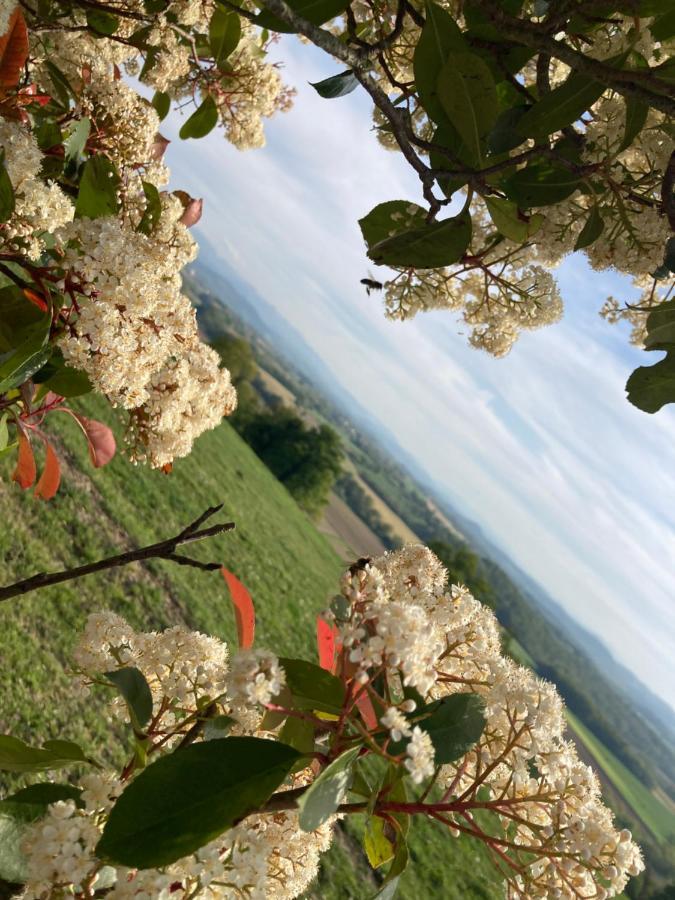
[541,448]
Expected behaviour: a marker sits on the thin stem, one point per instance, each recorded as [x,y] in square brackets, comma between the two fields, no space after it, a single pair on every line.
[162,550]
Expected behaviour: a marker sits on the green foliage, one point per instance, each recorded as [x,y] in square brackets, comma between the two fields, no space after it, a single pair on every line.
[362,504]
[16,756]
[131,684]
[306,460]
[321,800]
[99,185]
[430,246]
[315,11]
[185,799]
[440,37]
[651,387]
[7,201]
[312,687]
[560,107]
[19,364]
[454,725]
[224,34]
[388,219]
[202,121]
[337,85]
[468,96]
[541,183]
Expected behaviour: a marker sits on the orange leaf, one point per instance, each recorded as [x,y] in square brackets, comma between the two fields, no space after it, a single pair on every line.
[35,299]
[25,471]
[367,710]
[101,440]
[13,51]
[244,613]
[325,642]
[50,479]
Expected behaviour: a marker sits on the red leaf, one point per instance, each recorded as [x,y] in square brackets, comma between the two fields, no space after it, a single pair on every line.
[35,299]
[192,209]
[25,471]
[325,642]
[244,613]
[50,479]
[159,146]
[101,440]
[13,51]
[367,710]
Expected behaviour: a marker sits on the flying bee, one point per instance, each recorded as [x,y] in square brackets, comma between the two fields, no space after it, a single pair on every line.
[371,284]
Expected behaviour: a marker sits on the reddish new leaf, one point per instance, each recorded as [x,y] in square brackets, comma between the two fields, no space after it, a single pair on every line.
[25,471]
[101,440]
[35,299]
[192,209]
[159,146]
[13,51]
[367,710]
[325,642]
[50,479]
[244,613]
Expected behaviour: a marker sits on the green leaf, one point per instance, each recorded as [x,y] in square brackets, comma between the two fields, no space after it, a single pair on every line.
[312,687]
[663,27]
[67,382]
[28,358]
[591,231]
[17,814]
[299,734]
[651,387]
[636,117]
[98,189]
[16,756]
[398,867]
[446,136]
[661,327]
[18,318]
[379,848]
[510,222]
[133,687]
[326,792]
[4,432]
[102,22]
[540,184]
[505,135]
[440,36]
[153,208]
[560,107]
[430,247]
[468,96]
[224,34]
[48,134]
[390,218]
[62,87]
[315,11]
[337,85]
[218,727]
[202,121]
[455,725]
[75,142]
[162,104]
[7,202]
[186,799]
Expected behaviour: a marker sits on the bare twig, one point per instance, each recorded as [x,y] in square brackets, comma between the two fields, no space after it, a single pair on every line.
[162,550]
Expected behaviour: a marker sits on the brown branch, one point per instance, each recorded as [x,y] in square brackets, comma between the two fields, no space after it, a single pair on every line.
[162,550]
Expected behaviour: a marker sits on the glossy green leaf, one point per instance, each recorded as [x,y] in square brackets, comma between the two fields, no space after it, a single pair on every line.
[312,687]
[651,387]
[591,231]
[20,364]
[218,727]
[202,121]
[7,202]
[18,318]
[378,846]
[133,687]
[540,184]
[468,96]
[44,793]
[560,107]
[102,22]
[455,725]
[99,185]
[505,135]
[446,137]
[63,91]
[440,36]
[661,327]
[224,34]
[162,104]
[337,85]
[184,800]
[75,142]
[67,382]
[298,733]
[636,118]
[16,756]
[153,208]
[429,247]
[315,11]
[663,26]
[390,218]
[510,222]
[327,792]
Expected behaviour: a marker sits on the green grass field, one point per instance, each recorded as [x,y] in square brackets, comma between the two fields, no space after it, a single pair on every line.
[659,820]
[286,563]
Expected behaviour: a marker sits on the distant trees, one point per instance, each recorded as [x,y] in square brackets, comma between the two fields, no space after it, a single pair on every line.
[306,460]
[464,567]
[358,500]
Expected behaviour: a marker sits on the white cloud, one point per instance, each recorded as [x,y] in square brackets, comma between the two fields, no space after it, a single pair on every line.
[541,448]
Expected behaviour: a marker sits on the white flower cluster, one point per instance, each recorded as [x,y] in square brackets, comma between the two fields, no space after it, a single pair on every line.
[522,759]
[263,857]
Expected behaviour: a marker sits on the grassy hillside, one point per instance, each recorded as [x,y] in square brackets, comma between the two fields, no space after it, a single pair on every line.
[287,564]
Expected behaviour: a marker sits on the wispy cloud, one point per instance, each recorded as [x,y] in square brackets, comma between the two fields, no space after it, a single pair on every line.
[541,448]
